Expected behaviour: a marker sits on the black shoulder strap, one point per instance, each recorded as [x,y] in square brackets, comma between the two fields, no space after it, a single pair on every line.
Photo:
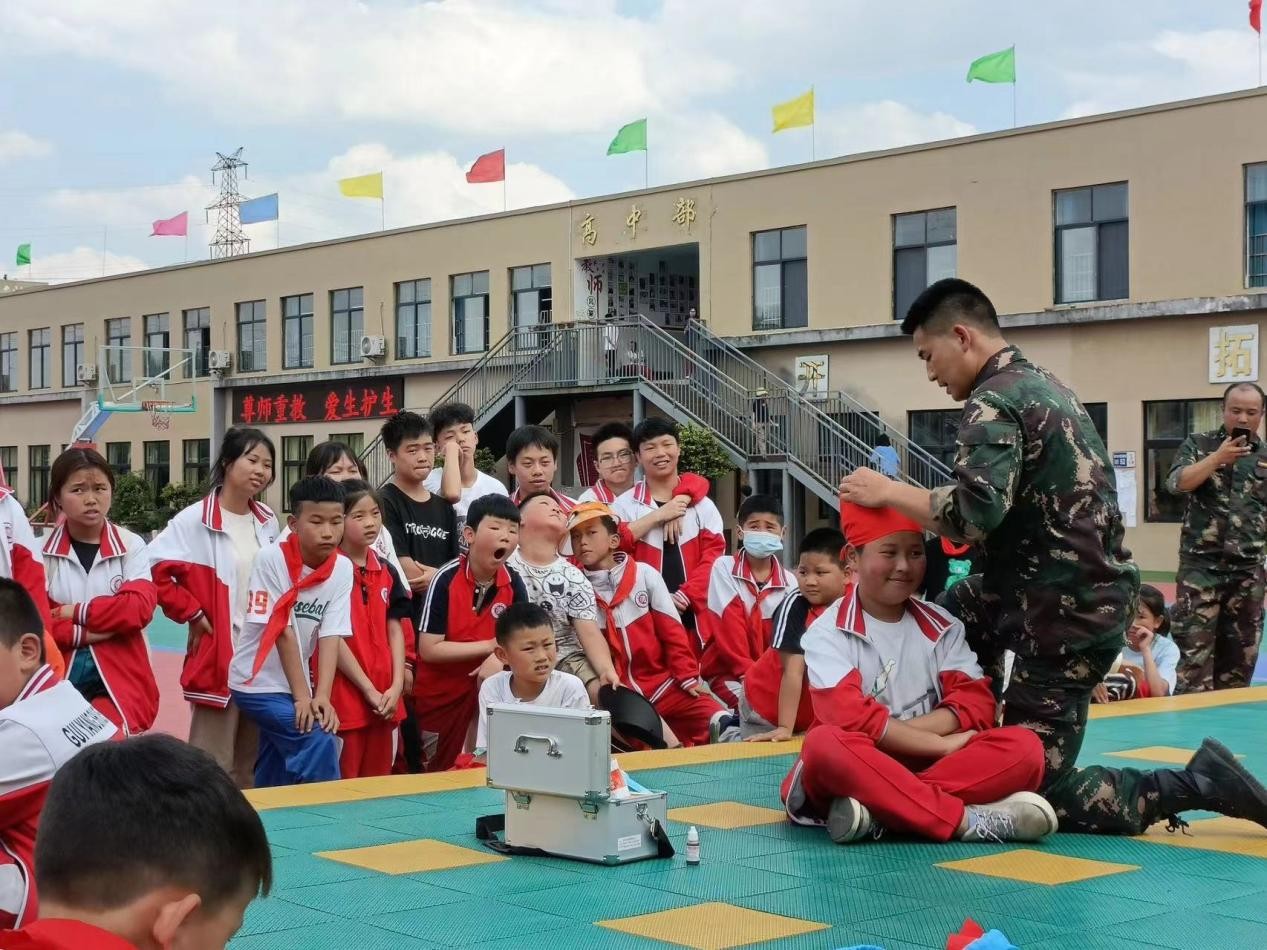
[488,827]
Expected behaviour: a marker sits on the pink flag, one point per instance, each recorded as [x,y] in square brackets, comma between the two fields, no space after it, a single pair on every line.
[172,227]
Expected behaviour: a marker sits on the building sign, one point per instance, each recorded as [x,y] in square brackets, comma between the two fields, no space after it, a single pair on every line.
[333,401]
[811,376]
[1234,354]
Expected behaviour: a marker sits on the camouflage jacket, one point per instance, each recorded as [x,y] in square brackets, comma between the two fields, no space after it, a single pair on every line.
[1225,523]
[1034,486]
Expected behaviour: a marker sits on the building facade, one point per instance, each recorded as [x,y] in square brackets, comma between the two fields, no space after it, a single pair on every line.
[1127,253]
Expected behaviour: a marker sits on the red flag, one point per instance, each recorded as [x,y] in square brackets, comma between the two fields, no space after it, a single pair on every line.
[492,167]
[1256,15]
[177,226]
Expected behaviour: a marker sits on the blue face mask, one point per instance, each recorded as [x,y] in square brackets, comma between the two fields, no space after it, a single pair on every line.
[762,543]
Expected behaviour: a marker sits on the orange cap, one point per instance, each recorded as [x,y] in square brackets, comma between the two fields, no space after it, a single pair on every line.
[588,511]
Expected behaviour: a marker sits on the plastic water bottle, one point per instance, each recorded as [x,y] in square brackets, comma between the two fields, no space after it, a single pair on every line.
[692,846]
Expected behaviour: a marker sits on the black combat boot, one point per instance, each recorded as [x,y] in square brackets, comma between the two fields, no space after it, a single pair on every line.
[1213,781]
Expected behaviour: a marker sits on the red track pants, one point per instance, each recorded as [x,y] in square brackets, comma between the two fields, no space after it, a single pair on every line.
[443,726]
[929,803]
[367,751]
[688,716]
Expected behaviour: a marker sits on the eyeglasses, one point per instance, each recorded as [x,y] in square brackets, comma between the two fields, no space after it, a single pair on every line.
[622,456]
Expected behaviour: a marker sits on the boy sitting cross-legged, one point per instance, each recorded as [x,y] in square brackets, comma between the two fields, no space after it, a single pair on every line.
[905,739]
[647,640]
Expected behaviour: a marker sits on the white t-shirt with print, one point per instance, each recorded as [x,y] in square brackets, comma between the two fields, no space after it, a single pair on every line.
[324,610]
[561,589]
[241,531]
[562,691]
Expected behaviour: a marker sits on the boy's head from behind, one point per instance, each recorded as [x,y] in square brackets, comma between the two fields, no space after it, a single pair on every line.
[886,550]
[760,523]
[150,839]
[491,531]
[316,517]
[454,421]
[532,456]
[410,445]
[822,572]
[525,642]
[657,445]
[595,534]
[540,515]
[21,640]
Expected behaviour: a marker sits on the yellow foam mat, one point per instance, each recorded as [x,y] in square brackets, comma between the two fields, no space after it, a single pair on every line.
[411,857]
[1229,835]
[703,754]
[712,926]
[361,789]
[727,815]
[1144,707]
[1037,867]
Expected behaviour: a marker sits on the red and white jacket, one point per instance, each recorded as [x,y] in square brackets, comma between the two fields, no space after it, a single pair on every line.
[116,597]
[195,573]
[20,559]
[650,647]
[700,541]
[598,492]
[737,625]
[40,732]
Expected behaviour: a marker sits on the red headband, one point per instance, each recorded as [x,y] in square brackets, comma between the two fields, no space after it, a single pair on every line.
[864,525]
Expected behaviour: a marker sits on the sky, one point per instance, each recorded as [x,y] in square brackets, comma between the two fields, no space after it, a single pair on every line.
[111,114]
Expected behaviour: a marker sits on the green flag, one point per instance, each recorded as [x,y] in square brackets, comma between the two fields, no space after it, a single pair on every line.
[631,138]
[995,67]
[24,253]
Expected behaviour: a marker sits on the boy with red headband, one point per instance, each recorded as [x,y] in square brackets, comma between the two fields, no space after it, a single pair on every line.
[299,602]
[906,738]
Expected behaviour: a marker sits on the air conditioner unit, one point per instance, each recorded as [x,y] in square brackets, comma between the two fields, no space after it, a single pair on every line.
[219,361]
[85,373]
[374,346]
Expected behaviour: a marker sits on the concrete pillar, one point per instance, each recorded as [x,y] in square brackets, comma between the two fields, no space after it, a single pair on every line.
[788,500]
[639,407]
[221,406]
[521,411]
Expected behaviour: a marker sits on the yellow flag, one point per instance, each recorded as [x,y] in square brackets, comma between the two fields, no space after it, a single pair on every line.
[795,112]
[364,186]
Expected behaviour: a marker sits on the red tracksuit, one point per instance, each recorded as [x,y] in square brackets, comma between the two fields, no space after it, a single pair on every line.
[736,626]
[20,560]
[854,678]
[446,695]
[115,597]
[378,595]
[650,647]
[764,678]
[63,934]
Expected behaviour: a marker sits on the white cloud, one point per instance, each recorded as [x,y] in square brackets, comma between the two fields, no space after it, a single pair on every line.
[685,147]
[885,124]
[16,145]
[80,263]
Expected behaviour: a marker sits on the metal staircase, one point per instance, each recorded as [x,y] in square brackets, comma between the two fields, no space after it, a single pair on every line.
[760,420]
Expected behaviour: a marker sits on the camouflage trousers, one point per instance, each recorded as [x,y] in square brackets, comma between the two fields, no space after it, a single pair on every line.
[1051,695]
[1217,622]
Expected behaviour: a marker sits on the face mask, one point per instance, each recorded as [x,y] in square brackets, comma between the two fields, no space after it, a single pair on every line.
[761,543]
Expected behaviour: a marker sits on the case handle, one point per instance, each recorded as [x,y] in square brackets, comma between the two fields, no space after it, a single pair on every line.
[552,745]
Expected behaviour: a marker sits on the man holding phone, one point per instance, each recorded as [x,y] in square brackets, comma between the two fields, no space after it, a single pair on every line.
[1217,618]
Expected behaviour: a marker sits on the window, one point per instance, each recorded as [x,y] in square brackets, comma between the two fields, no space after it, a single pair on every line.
[470,312]
[197,338]
[934,431]
[780,289]
[252,340]
[1256,225]
[41,342]
[353,440]
[8,362]
[295,449]
[413,319]
[38,455]
[347,319]
[119,455]
[297,332]
[1092,259]
[1099,413]
[119,357]
[530,287]
[158,471]
[9,465]
[197,453]
[924,251]
[72,352]
[158,339]
[1166,425]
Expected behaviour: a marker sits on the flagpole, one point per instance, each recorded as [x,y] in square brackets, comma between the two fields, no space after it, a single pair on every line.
[1260,58]
[186,243]
[382,207]
[646,168]
[813,133]
[1014,103]
[105,239]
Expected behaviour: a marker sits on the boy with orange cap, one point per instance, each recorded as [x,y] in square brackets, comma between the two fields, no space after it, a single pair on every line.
[906,739]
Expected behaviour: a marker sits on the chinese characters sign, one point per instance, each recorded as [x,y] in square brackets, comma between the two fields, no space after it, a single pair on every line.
[811,376]
[364,399]
[1234,354]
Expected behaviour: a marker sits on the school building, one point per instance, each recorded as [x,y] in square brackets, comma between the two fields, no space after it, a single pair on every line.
[1127,253]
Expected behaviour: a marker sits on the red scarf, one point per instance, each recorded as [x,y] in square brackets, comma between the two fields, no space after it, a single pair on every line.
[280,618]
[950,549]
[623,589]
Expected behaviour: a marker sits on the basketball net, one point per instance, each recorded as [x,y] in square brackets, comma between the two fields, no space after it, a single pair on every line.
[160,419]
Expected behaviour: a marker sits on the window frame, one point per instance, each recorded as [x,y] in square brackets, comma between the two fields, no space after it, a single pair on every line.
[45,361]
[199,368]
[782,261]
[9,356]
[151,469]
[258,318]
[420,347]
[354,339]
[75,350]
[120,365]
[9,465]
[196,470]
[944,451]
[157,337]
[1249,207]
[299,317]
[544,293]
[293,468]
[899,313]
[38,474]
[1097,224]
[1163,444]
[119,467]
[455,300]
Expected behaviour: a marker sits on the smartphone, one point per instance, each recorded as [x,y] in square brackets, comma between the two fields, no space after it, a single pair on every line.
[1243,434]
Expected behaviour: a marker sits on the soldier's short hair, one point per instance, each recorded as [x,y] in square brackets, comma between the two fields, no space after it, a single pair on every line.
[950,301]
[1254,386]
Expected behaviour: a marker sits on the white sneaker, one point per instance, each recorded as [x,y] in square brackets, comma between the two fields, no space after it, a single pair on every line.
[1023,816]
[849,821]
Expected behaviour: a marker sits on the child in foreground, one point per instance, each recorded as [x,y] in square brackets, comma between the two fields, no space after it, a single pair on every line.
[144,844]
[905,740]
[525,643]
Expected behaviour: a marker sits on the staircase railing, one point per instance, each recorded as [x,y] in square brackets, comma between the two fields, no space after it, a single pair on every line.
[915,464]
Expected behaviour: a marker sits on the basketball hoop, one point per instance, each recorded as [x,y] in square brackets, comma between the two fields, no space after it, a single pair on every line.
[160,413]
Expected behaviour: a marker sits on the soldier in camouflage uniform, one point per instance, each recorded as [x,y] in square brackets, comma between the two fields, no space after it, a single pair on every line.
[1034,487]
[1218,615]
